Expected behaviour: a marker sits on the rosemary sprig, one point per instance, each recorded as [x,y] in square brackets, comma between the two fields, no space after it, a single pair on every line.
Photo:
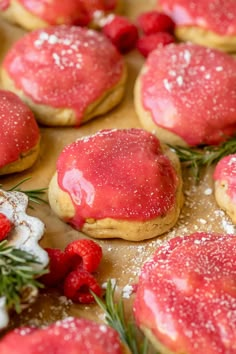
[114,317]
[197,159]
[17,274]
[34,195]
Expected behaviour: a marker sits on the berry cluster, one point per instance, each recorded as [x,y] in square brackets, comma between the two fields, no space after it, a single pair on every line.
[155,28]
[73,268]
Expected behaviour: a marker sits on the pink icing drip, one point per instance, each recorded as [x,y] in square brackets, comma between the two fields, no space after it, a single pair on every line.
[215,15]
[120,174]
[187,296]
[19,130]
[191,91]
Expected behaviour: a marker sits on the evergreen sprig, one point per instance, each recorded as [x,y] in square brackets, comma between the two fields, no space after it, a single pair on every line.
[197,158]
[17,273]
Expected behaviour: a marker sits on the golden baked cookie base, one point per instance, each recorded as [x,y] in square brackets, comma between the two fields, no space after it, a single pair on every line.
[64,116]
[224,201]
[206,38]
[25,161]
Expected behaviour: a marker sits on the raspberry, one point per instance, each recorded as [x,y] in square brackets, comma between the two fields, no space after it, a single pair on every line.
[58,267]
[84,253]
[147,44]
[77,286]
[154,21]
[121,32]
[5,226]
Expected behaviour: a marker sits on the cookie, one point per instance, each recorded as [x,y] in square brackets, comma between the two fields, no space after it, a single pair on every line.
[186,297]
[210,23]
[20,136]
[34,14]
[185,93]
[66,74]
[118,183]
[225,185]
[71,335]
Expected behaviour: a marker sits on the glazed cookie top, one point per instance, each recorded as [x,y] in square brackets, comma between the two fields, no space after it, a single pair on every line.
[186,294]
[71,335]
[18,128]
[64,67]
[225,171]
[215,15]
[74,12]
[190,90]
[120,174]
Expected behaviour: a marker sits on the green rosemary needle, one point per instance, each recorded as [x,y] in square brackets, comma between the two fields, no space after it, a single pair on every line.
[197,158]
[114,317]
[17,274]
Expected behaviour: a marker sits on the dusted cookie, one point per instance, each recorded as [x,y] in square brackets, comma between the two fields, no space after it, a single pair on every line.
[67,75]
[210,23]
[20,136]
[186,94]
[186,295]
[117,183]
[33,14]
[70,336]
[225,185]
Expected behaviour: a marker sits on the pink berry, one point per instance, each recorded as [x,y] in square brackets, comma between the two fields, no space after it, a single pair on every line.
[121,32]
[153,21]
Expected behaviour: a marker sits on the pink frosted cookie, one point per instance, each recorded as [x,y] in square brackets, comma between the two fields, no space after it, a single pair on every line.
[20,136]
[33,14]
[211,23]
[69,336]
[186,296]
[225,185]
[67,75]
[186,94]
[118,183]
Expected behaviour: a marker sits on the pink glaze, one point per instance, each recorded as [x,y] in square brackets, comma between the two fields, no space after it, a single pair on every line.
[78,12]
[187,296]
[64,67]
[4,4]
[121,174]
[68,336]
[218,16]
[191,91]
[225,171]
[18,128]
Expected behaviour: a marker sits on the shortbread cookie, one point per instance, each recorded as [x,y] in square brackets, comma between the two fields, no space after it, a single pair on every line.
[67,75]
[70,336]
[210,23]
[25,234]
[118,183]
[186,93]
[20,136]
[34,14]
[186,296]
[225,185]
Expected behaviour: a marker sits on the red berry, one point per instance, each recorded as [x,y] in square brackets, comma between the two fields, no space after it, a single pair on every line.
[5,226]
[121,32]
[154,21]
[147,44]
[58,267]
[84,253]
[77,286]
